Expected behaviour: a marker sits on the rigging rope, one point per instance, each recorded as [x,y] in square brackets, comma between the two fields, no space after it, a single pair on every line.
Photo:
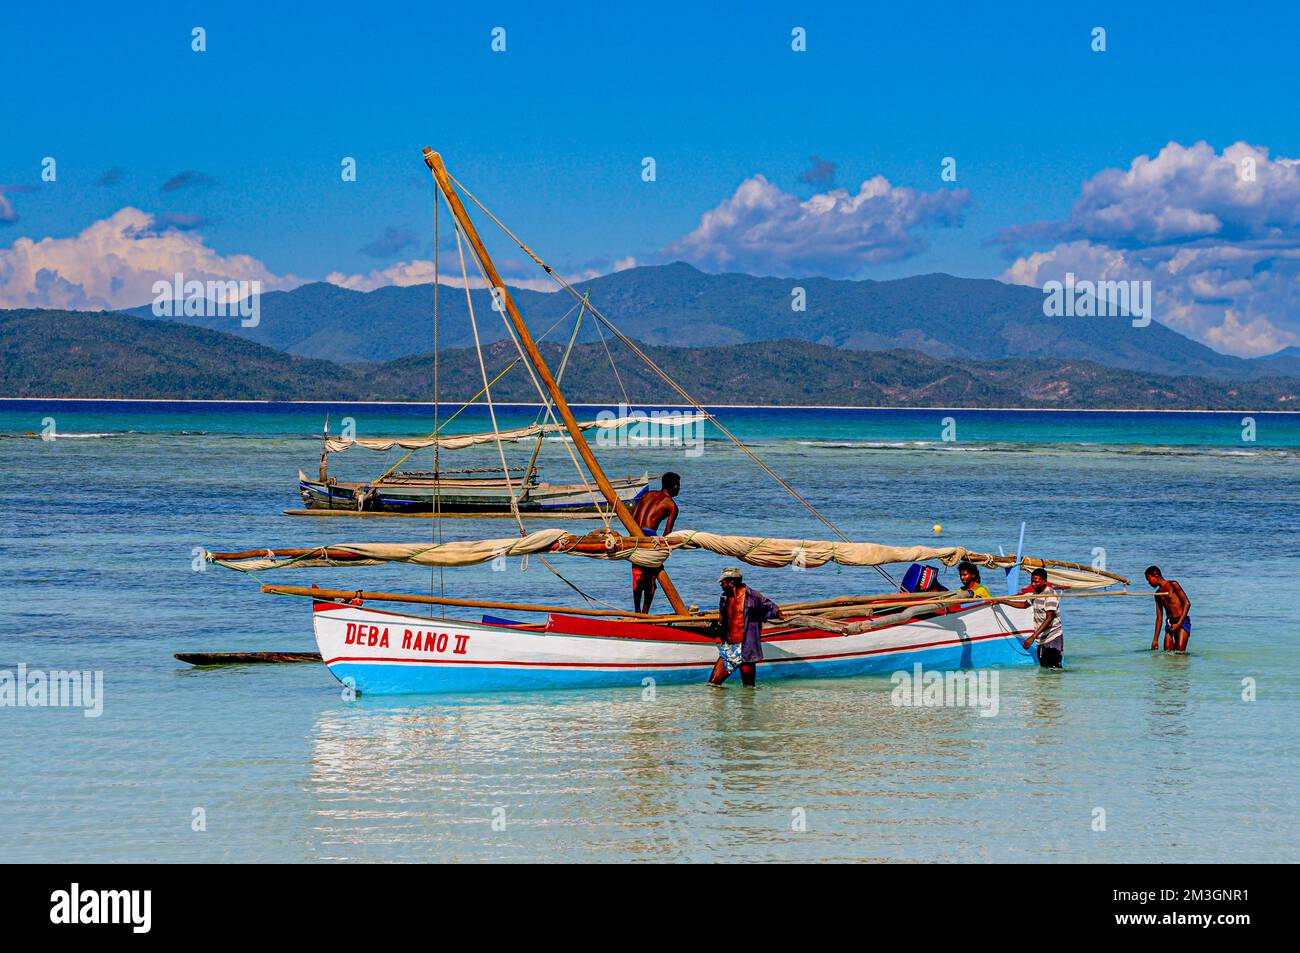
[559,376]
[492,413]
[469,403]
[632,346]
[437,407]
[617,376]
[541,392]
[514,499]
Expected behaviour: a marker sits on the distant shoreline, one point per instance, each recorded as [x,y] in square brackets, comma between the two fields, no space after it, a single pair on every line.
[454,403]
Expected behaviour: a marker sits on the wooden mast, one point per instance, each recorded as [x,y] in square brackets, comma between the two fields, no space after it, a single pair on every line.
[434,161]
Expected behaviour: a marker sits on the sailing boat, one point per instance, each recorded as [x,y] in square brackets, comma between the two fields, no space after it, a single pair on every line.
[478,490]
[456,492]
[451,491]
[380,651]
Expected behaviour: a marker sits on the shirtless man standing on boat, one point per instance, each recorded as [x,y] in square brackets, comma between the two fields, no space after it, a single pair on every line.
[741,614]
[651,509]
[1173,608]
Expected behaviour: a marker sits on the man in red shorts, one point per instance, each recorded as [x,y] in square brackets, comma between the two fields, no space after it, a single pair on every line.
[651,509]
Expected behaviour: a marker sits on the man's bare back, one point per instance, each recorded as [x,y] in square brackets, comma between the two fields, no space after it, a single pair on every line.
[653,508]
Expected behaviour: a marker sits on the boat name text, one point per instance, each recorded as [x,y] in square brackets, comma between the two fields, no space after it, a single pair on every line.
[417,641]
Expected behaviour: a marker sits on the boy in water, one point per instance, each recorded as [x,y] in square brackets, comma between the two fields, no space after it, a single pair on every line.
[1173,608]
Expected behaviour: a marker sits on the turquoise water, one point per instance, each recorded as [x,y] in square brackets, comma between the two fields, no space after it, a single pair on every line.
[98,526]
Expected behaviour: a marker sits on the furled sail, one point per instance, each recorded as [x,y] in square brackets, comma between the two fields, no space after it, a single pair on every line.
[458,553]
[462,440]
[652,553]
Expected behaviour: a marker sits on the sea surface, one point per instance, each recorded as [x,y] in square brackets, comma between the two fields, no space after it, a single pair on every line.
[1127,755]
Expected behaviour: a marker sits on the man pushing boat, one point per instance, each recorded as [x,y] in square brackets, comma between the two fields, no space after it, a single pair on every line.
[652,508]
[1048,631]
[1173,608]
[741,614]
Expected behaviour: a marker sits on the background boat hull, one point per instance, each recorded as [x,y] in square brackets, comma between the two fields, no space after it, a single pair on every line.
[421,499]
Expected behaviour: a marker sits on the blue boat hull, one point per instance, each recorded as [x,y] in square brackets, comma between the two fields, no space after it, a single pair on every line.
[399,679]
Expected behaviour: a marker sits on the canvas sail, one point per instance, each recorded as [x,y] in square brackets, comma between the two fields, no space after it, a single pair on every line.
[653,553]
[462,440]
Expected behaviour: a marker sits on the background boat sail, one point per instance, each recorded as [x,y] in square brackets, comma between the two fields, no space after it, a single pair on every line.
[380,651]
[483,490]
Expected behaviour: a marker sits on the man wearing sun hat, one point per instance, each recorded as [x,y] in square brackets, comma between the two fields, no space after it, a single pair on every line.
[741,614]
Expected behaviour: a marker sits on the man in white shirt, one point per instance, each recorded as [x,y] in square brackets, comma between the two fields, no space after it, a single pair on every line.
[1047,621]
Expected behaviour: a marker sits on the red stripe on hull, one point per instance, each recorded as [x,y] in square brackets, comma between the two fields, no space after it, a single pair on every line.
[614,629]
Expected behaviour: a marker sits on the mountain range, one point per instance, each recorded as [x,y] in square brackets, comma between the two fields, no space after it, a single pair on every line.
[94,354]
[677,305]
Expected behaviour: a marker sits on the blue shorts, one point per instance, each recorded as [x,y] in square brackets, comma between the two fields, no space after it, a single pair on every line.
[1186,624]
[729,653]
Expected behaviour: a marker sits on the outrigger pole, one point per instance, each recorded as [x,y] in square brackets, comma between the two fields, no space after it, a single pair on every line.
[434,161]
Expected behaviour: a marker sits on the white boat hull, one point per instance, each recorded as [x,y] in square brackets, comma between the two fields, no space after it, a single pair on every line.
[379,652]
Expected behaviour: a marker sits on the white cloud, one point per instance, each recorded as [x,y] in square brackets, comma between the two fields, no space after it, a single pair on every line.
[765,230]
[1218,236]
[1185,193]
[402,274]
[114,262]
[420,272]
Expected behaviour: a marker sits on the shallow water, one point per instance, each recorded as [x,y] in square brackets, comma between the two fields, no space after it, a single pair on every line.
[97,537]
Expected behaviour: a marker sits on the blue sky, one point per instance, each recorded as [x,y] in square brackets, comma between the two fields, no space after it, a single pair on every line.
[551,133]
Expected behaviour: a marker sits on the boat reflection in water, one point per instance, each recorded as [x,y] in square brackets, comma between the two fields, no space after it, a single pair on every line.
[789,771]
